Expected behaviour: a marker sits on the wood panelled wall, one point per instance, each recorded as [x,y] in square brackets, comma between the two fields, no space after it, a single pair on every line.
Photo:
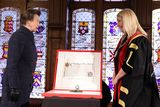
[143,10]
[56,35]
[57,24]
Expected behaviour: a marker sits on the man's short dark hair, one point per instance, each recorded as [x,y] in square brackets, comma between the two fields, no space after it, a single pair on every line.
[29,15]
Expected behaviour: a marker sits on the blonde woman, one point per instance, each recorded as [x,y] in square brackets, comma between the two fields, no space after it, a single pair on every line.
[132,57]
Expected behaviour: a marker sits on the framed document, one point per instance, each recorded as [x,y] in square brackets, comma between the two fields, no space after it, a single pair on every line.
[77,74]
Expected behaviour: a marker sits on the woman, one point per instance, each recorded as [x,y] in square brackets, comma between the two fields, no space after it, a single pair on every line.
[17,78]
[132,64]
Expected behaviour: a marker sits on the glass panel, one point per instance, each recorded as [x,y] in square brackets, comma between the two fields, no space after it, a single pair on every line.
[9,23]
[111,36]
[115,0]
[84,0]
[156,43]
[10,18]
[83,29]
[40,40]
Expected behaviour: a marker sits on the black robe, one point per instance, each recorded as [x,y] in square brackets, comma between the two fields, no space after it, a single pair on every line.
[135,90]
[21,64]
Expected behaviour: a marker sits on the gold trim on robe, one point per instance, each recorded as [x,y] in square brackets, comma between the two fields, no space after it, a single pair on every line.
[130,54]
[121,102]
[134,46]
[124,89]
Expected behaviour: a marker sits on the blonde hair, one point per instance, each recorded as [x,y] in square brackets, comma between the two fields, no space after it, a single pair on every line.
[130,22]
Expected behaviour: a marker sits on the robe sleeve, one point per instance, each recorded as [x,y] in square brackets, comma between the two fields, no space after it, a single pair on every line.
[136,55]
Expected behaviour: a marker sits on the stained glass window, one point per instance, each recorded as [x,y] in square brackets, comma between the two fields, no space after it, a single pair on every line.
[156,43]
[84,0]
[83,29]
[111,36]
[40,40]
[115,0]
[9,23]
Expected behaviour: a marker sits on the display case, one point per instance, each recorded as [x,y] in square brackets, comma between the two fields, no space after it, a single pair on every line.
[77,74]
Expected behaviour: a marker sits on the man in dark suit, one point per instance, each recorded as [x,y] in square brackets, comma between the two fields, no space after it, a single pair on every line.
[17,79]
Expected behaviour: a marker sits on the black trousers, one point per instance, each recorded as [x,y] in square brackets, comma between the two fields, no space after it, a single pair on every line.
[12,104]
[25,105]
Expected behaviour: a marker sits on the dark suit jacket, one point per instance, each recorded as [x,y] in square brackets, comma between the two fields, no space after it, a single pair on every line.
[21,64]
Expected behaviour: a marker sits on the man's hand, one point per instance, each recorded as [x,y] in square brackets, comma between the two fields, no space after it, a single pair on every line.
[15,94]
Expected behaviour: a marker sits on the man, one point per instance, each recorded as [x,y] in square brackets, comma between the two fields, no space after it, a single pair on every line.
[17,79]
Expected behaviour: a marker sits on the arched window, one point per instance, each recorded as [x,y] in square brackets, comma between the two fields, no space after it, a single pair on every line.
[156,43]
[83,29]
[9,23]
[111,36]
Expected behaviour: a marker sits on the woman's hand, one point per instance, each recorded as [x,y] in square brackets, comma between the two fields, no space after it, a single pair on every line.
[114,81]
[120,74]
[113,76]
